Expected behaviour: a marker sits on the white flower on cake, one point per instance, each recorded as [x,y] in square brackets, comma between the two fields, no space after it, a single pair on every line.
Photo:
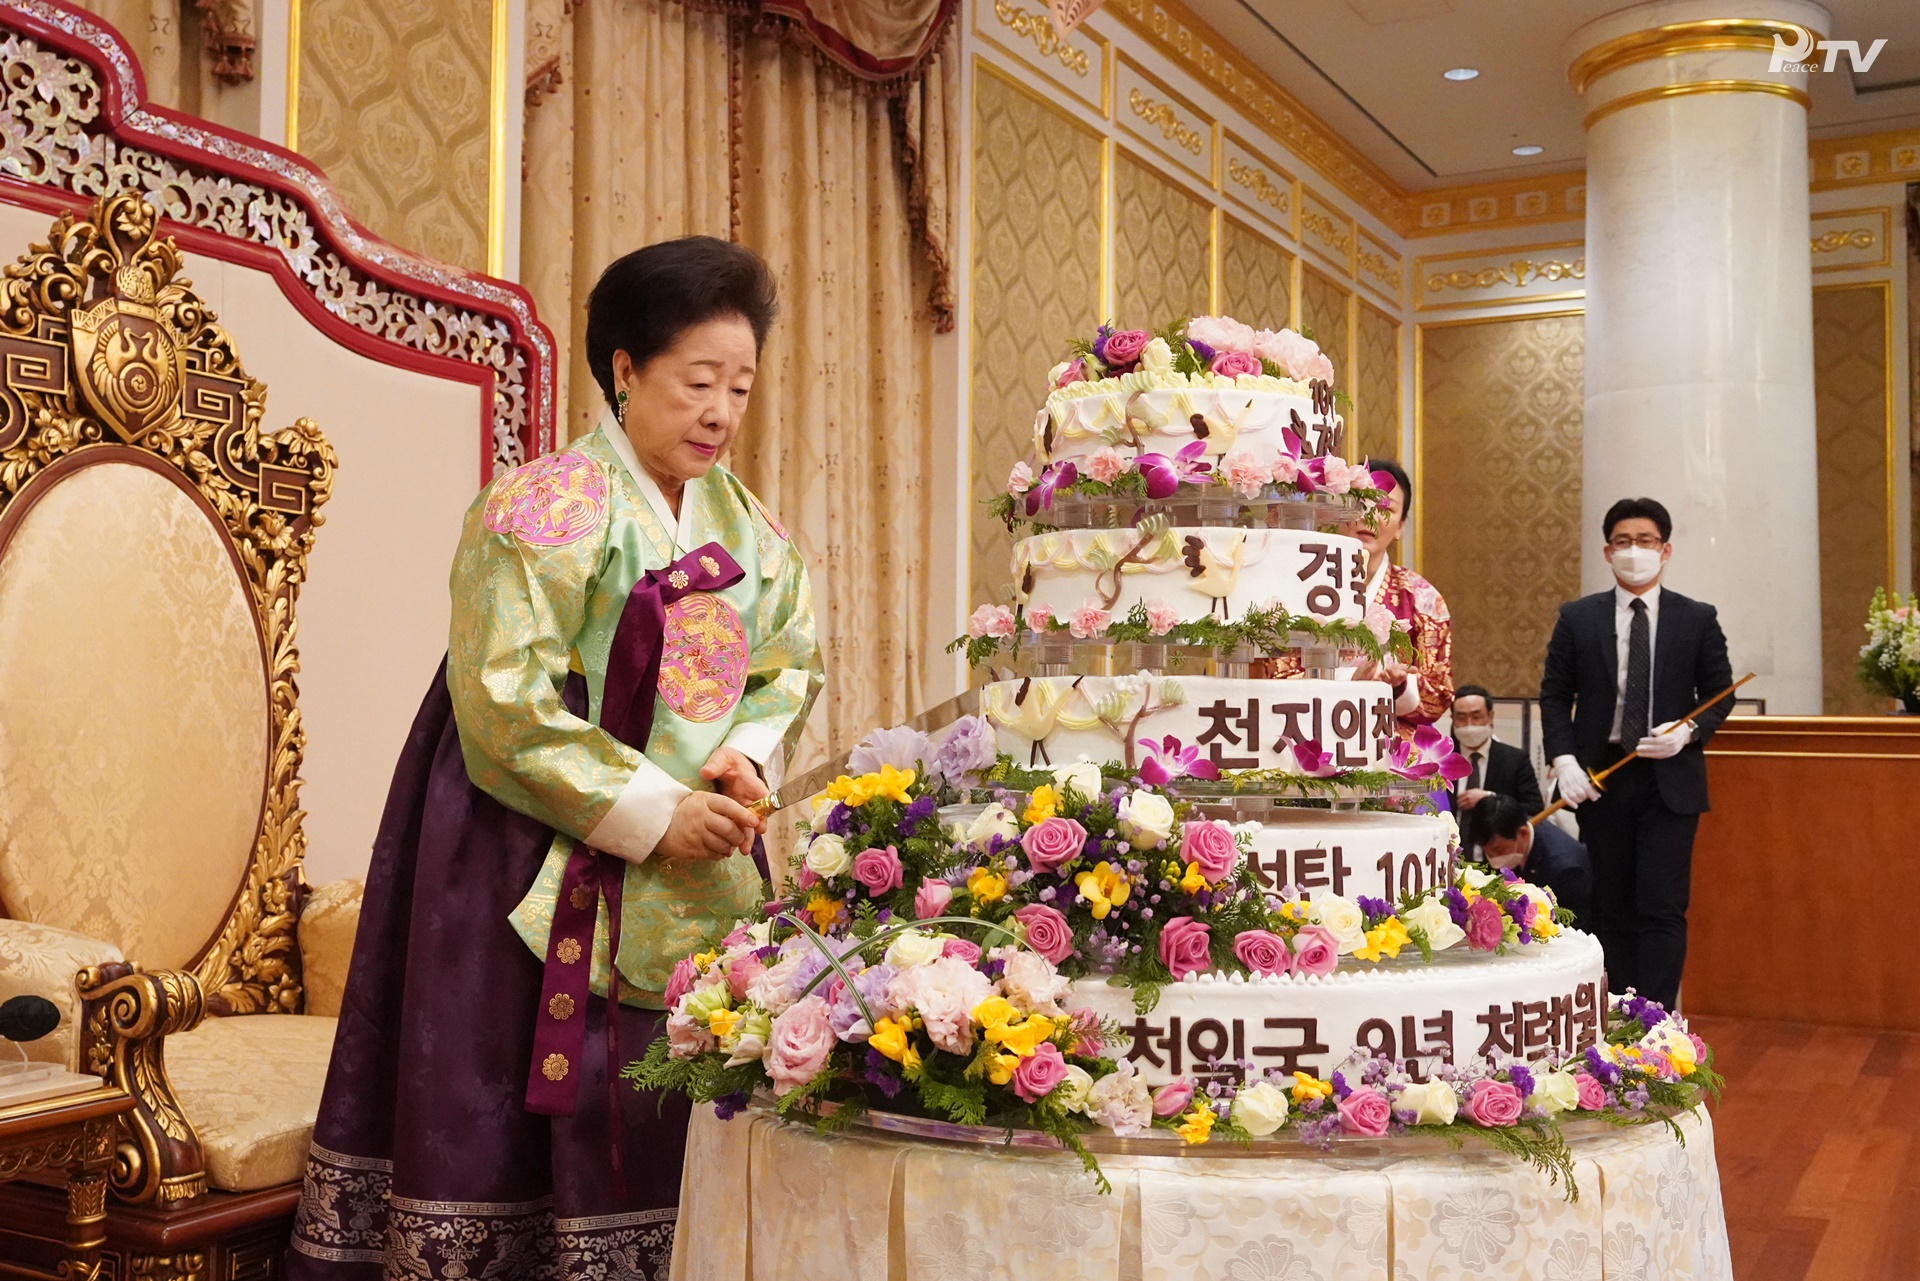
[1431,1102]
[1433,919]
[1556,1092]
[822,812]
[1020,479]
[827,856]
[914,948]
[1260,1109]
[748,1039]
[1120,1101]
[1146,819]
[1074,1088]
[1475,878]
[1344,918]
[1031,982]
[1157,358]
[1081,776]
[995,820]
[944,993]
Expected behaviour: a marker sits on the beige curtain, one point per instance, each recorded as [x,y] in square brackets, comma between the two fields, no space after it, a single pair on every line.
[152,27]
[218,49]
[633,141]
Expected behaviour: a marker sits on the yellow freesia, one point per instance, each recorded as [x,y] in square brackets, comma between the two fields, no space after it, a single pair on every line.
[1044,804]
[1384,939]
[1468,893]
[890,1038]
[986,886]
[1543,926]
[1022,1039]
[1309,1087]
[702,960]
[839,788]
[1000,1068]
[1193,882]
[824,908]
[893,783]
[722,1022]
[1197,1124]
[1104,888]
[994,1012]
[911,1060]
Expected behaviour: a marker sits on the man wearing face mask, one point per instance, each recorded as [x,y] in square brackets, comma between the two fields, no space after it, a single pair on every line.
[1492,766]
[1622,668]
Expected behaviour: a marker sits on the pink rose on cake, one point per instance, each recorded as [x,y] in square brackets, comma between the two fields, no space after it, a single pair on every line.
[1246,473]
[1493,1103]
[1162,617]
[1262,952]
[1047,931]
[1592,1094]
[801,1041]
[1105,464]
[1088,621]
[1040,1073]
[1052,842]
[990,620]
[1223,334]
[961,949]
[1068,372]
[1172,1098]
[1122,348]
[1365,1111]
[1210,844]
[1316,950]
[1039,616]
[1186,947]
[1298,356]
[1020,479]
[1486,925]
[931,898]
[1236,364]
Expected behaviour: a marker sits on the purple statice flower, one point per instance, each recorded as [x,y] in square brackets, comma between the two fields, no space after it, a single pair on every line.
[840,820]
[1202,351]
[917,812]
[728,1106]
[901,747]
[1372,908]
[1522,1079]
[968,748]
[1457,906]
[1100,337]
[1604,1072]
[879,1070]
[1649,1014]
[1340,1087]
[1638,1097]
[1510,876]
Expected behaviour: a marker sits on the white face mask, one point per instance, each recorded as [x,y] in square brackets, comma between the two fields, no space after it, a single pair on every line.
[1636,566]
[1473,737]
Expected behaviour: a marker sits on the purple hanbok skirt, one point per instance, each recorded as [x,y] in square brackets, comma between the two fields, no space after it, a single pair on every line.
[425,1160]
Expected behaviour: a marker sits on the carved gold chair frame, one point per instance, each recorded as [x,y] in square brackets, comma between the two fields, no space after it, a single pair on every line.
[103,345]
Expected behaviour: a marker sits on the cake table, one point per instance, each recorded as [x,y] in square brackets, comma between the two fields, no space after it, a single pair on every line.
[767,1200]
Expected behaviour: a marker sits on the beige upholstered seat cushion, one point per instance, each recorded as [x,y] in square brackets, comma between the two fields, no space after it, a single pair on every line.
[251,1086]
[41,960]
[327,926]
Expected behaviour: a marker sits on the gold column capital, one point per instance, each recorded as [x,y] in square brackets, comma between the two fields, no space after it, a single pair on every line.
[1705,35]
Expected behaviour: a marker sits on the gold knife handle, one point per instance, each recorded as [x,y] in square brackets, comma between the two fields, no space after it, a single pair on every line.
[765,805]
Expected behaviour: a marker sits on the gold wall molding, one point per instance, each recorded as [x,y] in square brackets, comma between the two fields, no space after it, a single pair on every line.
[1254,179]
[1326,230]
[1498,277]
[1851,239]
[1828,241]
[1154,112]
[1376,264]
[1659,93]
[1710,35]
[1255,182]
[1864,159]
[1038,29]
[1160,115]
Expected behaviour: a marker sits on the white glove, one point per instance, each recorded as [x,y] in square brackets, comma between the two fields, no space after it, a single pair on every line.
[1658,747]
[1576,789]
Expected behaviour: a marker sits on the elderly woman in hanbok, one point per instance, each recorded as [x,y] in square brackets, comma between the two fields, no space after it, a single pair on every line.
[632,656]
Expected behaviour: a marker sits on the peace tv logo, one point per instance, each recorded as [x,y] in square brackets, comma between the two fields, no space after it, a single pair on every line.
[1795,55]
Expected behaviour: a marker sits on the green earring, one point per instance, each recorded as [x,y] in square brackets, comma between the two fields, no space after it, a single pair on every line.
[620,406]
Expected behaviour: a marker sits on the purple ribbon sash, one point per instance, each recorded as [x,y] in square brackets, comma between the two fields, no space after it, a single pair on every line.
[591,877]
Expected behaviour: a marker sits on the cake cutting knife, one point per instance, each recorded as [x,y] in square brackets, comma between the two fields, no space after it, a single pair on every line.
[794,790]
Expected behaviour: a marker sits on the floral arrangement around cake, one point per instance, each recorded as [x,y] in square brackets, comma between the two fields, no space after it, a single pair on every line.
[1890,660]
[919,967]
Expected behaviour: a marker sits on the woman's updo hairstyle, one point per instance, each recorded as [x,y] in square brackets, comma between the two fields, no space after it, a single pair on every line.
[645,300]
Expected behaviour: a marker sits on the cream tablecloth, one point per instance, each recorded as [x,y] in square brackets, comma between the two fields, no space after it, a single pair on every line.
[767,1201]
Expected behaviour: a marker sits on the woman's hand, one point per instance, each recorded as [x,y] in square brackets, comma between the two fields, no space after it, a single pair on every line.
[1392,671]
[733,774]
[707,825]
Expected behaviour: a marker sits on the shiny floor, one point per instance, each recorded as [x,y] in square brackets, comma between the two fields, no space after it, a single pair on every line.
[1818,1137]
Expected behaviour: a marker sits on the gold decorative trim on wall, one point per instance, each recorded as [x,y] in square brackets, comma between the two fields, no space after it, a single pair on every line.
[1659,92]
[1513,202]
[1257,184]
[1851,239]
[1326,230]
[1077,61]
[1146,107]
[1710,35]
[1378,267]
[1497,277]
[1865,159]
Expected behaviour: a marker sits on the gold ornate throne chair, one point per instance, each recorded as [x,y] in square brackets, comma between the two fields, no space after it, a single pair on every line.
[153,540]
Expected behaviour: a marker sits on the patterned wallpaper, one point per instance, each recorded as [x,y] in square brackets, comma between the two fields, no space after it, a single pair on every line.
[1256,277]
[1162,248]
[1851,388]
[1323,312]
[1036,284]
[1498,477]
[1375,385]
[393,106]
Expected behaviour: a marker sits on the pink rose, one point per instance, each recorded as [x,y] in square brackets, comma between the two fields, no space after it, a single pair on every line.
[1319,369]
[1040,1073]
[1236,364]
[1699,1048]
[1262,952]
[798,1047]
[1088,621]
[966,951]
[1172,1098]
[1486,924]
[1222,333]
[742,971]
[878,870]
[1380,621]
[1075,371]
[680,982]
[1020,479]
[1210,844]
[1047,931]
[1052,842]
[1316,950]
[1106,464]
[1162,617]
[1296,355]
[931,899]
[1185,947]
[1123,348]
[1246,473]
[1087,1040]
[1494,1103]
[1039,617]
[1365,1111]
[990,620]
[1593,1095]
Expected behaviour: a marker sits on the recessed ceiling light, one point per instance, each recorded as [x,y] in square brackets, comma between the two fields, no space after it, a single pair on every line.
[1461,73]
[1528,150]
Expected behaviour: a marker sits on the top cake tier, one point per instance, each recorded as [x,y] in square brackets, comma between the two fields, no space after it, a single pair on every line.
[1253,430]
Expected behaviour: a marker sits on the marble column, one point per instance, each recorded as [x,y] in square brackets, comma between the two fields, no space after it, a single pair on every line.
[1699,325]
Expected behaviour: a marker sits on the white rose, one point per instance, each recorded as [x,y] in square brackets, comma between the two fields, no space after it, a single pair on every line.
[1072,1092]
[1453,830]
[1433,1103]
[1260,1109]
[822,811]
[827,856]
[1082,776]
[1432,919]
[1344,918]
[1474,877]
[915,947]
[995,820]
[1146,819]
[1157,358]
[1555,1092]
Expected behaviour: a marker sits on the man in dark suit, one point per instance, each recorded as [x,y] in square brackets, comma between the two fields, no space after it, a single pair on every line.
[1493,766]
[1623,667]
[1498,828]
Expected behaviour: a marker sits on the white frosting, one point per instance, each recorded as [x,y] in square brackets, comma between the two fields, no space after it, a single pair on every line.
[1544,1000]
[1319,851]
[1236,419]
[1199,572]
[1238,722]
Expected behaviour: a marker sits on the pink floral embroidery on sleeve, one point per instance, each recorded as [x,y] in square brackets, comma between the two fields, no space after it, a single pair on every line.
[551,501]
